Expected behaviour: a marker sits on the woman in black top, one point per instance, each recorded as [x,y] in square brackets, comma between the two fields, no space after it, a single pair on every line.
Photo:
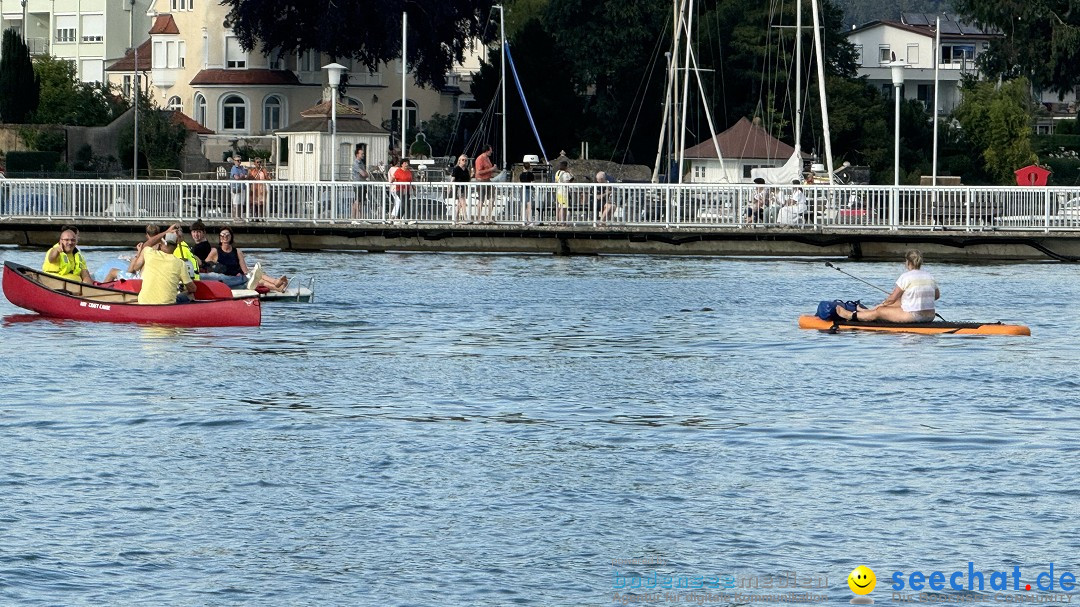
[460,174]
[232,258]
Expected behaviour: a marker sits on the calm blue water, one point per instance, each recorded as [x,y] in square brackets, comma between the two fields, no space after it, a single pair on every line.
[495,430]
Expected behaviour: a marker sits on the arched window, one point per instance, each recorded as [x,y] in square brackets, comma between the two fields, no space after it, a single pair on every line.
[410,114]
[354,102]
[233,113]
[200,109]
[273,111]
[175,104]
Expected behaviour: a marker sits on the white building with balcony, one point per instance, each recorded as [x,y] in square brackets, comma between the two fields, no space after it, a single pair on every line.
[912,40]
[89,33]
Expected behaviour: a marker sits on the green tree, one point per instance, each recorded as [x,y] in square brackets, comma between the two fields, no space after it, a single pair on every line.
[161,139]
[1041,41]
[19,85]
[997,123]
[440,31]
[66,100]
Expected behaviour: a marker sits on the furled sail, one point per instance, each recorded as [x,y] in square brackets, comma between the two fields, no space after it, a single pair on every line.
[791,171]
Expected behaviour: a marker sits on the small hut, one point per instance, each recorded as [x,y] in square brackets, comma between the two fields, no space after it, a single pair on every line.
[305,147]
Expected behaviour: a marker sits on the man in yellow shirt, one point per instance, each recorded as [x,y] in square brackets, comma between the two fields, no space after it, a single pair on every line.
[65,260]
[162,272]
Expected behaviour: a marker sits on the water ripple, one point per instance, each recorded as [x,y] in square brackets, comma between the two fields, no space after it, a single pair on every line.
[492,430]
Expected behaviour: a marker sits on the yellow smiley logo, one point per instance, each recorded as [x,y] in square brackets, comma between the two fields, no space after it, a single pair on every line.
[861,580]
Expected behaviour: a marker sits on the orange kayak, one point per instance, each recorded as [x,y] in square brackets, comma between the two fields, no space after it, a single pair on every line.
[809,321]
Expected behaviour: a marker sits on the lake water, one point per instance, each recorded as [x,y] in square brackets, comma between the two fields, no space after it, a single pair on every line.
[497,430]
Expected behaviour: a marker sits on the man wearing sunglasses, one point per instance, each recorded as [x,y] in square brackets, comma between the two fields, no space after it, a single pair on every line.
[65,260]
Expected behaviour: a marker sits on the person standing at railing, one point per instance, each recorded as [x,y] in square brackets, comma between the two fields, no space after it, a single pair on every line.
[400,193]
[485,170]
[65,260]
[527,178]
[602,199]
[237,174]
[258,191]
[358,175]
[460,174]
[562,192]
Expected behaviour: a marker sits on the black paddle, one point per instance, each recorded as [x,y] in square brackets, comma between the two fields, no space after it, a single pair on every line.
[828,264]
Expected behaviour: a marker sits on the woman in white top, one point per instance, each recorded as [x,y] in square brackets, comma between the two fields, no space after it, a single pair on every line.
[911,301]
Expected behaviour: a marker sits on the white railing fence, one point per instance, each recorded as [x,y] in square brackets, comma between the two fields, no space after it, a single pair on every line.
[585,204]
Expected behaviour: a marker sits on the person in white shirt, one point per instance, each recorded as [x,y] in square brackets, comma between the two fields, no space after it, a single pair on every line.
[794,207]
[911,301]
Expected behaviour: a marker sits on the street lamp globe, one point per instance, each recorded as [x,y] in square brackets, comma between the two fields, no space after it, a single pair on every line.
[333,72]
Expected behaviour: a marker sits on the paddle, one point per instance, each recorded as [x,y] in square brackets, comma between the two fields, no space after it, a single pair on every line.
[828,264]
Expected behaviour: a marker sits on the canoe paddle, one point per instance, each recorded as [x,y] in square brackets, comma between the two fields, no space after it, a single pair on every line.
[828,264]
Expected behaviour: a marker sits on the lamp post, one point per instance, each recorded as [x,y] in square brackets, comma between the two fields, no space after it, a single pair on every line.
[135,90]
[898,82]
[333,71]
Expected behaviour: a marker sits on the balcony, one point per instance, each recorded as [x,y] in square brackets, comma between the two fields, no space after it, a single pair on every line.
[38,46]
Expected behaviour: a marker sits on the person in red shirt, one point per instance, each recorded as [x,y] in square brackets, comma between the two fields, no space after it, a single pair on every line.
[403,176]
[485,170]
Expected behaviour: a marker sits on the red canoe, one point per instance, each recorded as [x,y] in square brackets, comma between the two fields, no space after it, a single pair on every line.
[58,298]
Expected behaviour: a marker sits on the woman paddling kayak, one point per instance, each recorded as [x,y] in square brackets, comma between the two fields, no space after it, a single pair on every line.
[911,301]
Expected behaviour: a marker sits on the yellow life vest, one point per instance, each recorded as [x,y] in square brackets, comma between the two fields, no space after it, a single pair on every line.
[183,251]
[65,266]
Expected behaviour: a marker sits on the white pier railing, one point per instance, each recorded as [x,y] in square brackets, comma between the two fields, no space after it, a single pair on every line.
[618,204]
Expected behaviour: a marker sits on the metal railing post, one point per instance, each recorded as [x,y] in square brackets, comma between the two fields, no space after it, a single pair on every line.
[894,210]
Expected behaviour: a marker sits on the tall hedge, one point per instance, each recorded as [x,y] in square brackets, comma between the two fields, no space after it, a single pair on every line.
[20,89]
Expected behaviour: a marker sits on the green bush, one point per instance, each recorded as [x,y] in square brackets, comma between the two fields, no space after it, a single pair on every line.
[1055,143]
[32,161]
[1066,170]
[43,138]
[248,152]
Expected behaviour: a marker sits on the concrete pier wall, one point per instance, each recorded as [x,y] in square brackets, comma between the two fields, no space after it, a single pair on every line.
[571,240]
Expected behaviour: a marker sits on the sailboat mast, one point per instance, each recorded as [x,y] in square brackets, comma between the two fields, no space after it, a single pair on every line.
[667,125]
[798,76]
[404,77]
[502,78]
[686,89]
[821,88]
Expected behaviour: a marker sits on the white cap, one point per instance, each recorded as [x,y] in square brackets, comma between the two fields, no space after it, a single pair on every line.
[170,238]
[531,159]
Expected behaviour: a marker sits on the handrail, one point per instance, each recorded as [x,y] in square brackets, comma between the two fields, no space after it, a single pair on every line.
[662,206]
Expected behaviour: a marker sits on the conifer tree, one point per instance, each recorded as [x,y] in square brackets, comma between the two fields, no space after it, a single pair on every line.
[20,89]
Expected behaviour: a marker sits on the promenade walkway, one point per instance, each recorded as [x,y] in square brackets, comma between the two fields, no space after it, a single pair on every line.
[706,219]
